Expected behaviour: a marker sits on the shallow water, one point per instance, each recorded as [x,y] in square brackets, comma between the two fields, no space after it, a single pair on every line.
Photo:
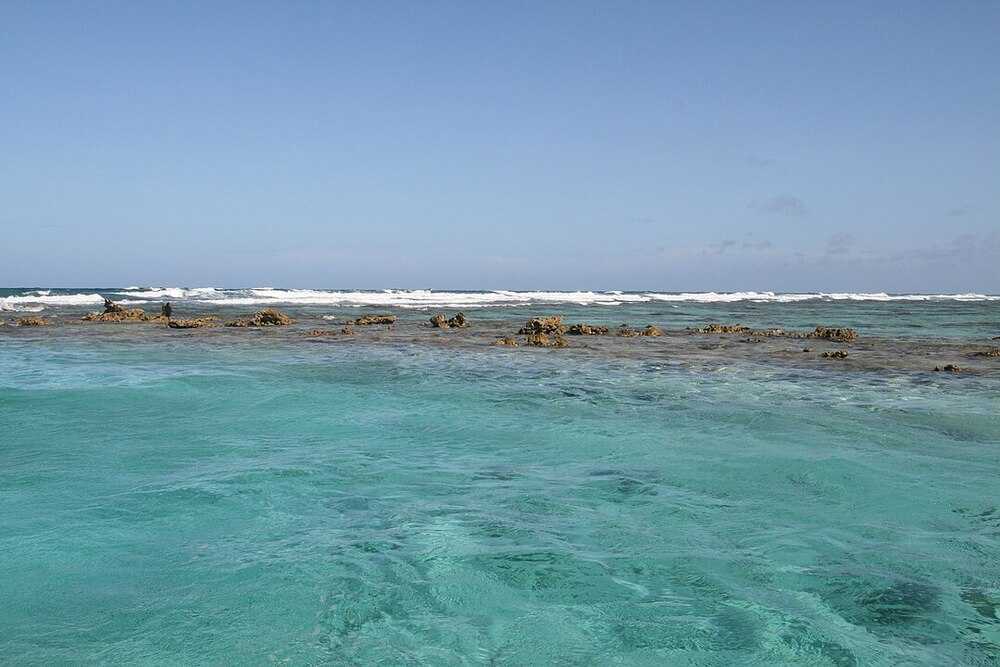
[189,500]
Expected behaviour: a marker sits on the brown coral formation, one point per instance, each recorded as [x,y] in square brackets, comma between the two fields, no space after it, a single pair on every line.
[268,317]
[368,320]
[587,330]
[546,340]
[625,331]
[32,321]
[459,321]
[543,325]
[715,328]
[193,323]
[838,334]
[114,312]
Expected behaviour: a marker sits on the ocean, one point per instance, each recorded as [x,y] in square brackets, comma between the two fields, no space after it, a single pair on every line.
[409,496]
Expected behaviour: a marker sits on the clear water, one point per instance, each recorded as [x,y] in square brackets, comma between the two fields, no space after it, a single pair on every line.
[186,501]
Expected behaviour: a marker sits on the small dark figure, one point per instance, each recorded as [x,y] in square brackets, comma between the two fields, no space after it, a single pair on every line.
[166,310]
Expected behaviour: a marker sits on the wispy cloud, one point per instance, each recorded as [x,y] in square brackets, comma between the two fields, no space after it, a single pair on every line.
[785,205]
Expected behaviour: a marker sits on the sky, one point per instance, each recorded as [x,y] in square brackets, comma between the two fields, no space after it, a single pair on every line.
[671,146]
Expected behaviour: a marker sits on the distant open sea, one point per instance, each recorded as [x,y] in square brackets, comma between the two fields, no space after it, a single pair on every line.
[249,499]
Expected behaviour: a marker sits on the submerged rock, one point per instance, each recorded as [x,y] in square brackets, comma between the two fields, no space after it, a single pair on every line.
[835,354]
[457,322]
[319,333]
[652,330]
[194,323]
[587,330]
[269,317]
[506,340]
[992,352]
[114,312]
[543,325]
[347,331]
[544,340]
[32,321]
[367,320]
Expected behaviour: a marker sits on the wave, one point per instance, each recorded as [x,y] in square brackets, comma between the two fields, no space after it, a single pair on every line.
[397,298]
[40,299]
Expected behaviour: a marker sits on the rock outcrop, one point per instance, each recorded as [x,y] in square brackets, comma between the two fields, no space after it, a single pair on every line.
[545,340]
[543,325]
[723,329]
[507,341]
[835,354]
[368,320]
[32,321]
[838,334]
[457,322]
[627,332]
[948,368]
[268,317]
[114,312]
[992,352]
[587,330]
[194,322]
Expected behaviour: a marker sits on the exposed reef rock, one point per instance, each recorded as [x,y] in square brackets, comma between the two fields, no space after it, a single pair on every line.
[320,333]
[194,323]
[367,320]
[723,329]
[347,331]
[836,354]
[839,334]
[627,332]
[543,325]
[506,340]
[114,312]
[32,321]
[836,334]
[948,368]
[992,352]
[587,330]
[268,317]
[545,340]
[457,322]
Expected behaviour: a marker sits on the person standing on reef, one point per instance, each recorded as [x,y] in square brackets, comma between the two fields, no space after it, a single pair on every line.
[166,310]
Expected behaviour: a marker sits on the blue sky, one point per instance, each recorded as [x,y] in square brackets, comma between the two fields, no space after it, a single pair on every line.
[669,146]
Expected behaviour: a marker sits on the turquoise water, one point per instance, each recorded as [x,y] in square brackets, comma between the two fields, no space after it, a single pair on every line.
[187,501]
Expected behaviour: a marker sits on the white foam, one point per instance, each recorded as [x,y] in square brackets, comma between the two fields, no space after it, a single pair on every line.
[39,299]
[34,302]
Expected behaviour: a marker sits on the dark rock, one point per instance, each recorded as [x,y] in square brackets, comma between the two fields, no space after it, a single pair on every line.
[194,323]
[456,322]
[166,311]
[506,340]
[32,321]
[992,352]
[268,317]
[836,354]
[948,368]
[367,320]
[544,340]
[587,330]
[543,325]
